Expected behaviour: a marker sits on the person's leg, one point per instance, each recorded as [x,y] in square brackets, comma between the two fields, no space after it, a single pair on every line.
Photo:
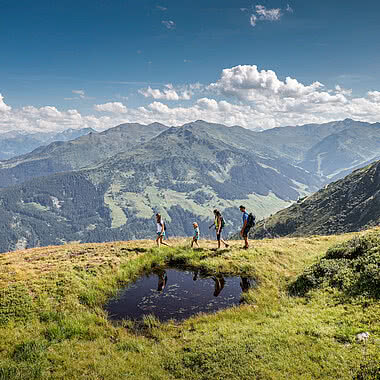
[218,238]
[245,236]
[161,237]
[192,243]
[225,244]
[158,241]
[196,242]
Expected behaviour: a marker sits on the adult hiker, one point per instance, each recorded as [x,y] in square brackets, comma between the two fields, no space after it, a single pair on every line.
[219,224]
[248,223]
[160,230]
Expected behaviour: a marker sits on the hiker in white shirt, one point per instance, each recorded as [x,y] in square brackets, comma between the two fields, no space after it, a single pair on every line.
[160,230]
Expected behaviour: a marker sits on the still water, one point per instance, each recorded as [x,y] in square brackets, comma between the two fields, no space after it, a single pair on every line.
[175,294]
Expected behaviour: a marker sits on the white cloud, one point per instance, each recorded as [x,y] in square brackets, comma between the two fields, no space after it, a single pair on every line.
[169,24]
[247,83]
[263,13]
[253,20]
[343,91]
[168,93]
[243,95]
[161,8]
[3,106]
[81,93]
[374,96]
[48,118]
[113,107]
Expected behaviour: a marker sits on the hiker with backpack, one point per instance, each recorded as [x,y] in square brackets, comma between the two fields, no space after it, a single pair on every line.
[248,223]
[219,224]
[160,231]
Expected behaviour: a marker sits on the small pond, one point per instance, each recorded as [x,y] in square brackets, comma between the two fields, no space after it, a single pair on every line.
[177,294]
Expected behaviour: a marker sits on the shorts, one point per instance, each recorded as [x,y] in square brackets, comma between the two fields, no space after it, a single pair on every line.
[245,232]
[161,233]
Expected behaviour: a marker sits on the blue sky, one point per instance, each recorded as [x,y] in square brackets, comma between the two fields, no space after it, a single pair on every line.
[96,63]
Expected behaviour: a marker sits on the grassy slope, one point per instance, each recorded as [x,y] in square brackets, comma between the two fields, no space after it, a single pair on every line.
[52,325]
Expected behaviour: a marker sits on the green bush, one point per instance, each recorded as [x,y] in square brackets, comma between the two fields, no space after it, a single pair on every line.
[352,267]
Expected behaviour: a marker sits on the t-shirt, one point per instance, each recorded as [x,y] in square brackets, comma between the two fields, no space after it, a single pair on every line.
[196,233]
[245,216]
[160,226]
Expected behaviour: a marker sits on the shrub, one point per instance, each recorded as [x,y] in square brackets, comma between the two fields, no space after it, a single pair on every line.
[352,267]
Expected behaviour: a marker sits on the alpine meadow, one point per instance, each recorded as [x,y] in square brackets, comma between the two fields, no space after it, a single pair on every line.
[189,190]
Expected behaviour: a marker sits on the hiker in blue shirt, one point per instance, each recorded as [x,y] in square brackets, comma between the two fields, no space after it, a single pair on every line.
[245,229]
[196,235]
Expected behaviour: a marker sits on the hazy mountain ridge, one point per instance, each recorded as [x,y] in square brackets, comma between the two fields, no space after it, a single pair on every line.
[328,151]
[14,144]
[347,205]
[76,154]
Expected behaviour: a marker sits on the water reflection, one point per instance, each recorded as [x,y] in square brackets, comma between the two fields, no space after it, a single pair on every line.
[245,284]
[162,280]
[174,294]
[219,285]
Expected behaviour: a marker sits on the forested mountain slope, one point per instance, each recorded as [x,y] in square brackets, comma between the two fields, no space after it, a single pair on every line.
[350,204]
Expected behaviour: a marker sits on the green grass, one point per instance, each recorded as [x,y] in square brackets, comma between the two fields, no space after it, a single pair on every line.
[52,325]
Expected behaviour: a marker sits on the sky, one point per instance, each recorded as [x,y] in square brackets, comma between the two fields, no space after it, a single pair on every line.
[270,63]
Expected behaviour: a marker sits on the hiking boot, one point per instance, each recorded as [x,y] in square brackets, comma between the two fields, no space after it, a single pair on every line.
[226,245]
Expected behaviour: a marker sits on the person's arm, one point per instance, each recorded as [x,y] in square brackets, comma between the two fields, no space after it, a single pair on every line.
[219,224]
[244,224]
[213,224]
[162,227]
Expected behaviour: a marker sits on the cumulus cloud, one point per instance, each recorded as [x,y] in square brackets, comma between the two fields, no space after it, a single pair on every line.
[113,107]
[48,118]
[168,93]
[343,91]
[169,24]
[246,82]
[374,96]
[243,95]
[3,106]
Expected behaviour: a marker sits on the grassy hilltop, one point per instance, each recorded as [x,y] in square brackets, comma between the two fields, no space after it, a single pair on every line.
[300,323]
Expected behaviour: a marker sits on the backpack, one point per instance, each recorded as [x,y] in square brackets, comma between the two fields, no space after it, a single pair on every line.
[222,222]
[251,220]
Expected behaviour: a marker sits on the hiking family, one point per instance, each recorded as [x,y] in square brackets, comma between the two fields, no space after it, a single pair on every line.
[249,221]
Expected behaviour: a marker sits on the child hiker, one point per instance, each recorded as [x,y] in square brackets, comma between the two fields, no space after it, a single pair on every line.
[196,235]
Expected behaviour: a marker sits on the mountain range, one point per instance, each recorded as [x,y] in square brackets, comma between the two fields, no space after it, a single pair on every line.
[349,204]
[107,186]
[14,144]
